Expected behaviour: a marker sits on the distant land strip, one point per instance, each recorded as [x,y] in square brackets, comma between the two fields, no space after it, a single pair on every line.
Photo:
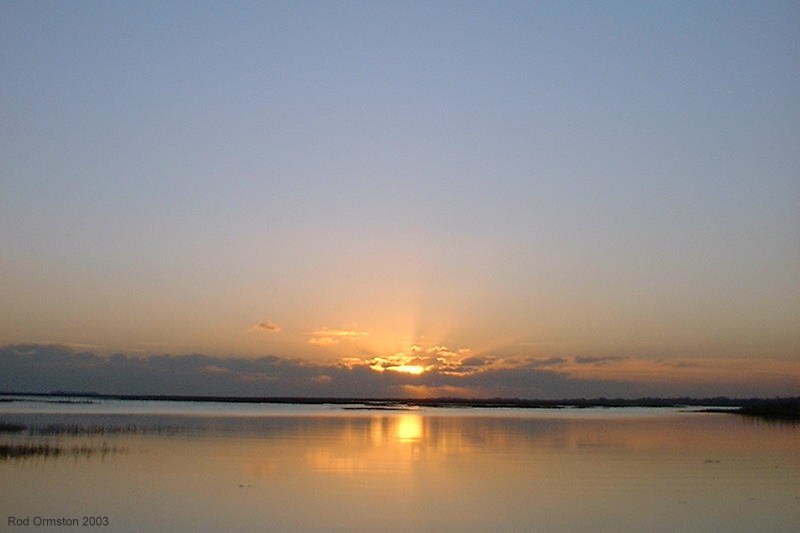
[786,408]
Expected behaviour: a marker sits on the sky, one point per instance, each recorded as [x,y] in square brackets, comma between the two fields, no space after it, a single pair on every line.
[475,198]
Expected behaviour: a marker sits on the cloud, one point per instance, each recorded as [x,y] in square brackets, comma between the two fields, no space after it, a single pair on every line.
[597,360]
[453,362]
[325,332]
[267,326]
[535,362]
[680,364]
[443,391]
[45,368]
[475,361]
[328,336]
[322,341]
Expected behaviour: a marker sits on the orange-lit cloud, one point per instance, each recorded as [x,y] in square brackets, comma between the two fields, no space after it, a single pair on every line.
[418,359]
[462,365]
[322,341]
[697,370]
[329,336]
[425,391]
[421,371]
[325,332]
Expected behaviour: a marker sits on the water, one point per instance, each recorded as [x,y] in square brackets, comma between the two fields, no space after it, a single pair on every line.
[199,466]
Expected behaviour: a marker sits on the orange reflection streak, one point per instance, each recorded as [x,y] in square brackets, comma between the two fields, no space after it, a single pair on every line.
[391,442]
[408,428]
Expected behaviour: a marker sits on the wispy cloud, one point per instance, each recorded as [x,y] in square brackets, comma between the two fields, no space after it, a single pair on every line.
[322,341]
[328,336]
[339,333]
[266,326]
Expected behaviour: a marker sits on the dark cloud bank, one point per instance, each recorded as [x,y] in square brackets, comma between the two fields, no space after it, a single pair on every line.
[47,368]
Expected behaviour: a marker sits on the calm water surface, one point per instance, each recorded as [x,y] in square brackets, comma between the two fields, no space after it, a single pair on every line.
[211,467]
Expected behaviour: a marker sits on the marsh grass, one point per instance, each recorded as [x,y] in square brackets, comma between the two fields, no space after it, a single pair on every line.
[30,450]
[74,430]
[11,428]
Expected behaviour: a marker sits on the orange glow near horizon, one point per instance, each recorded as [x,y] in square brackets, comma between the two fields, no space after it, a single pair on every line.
[407,369]
[455,363]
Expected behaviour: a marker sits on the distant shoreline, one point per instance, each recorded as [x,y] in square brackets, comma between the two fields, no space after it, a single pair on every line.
[784,408]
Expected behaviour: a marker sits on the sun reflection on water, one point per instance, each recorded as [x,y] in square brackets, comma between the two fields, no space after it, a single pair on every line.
[421,470]
[408,428]
[382,442]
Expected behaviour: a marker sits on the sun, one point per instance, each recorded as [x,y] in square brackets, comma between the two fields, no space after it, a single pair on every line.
[407,369]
